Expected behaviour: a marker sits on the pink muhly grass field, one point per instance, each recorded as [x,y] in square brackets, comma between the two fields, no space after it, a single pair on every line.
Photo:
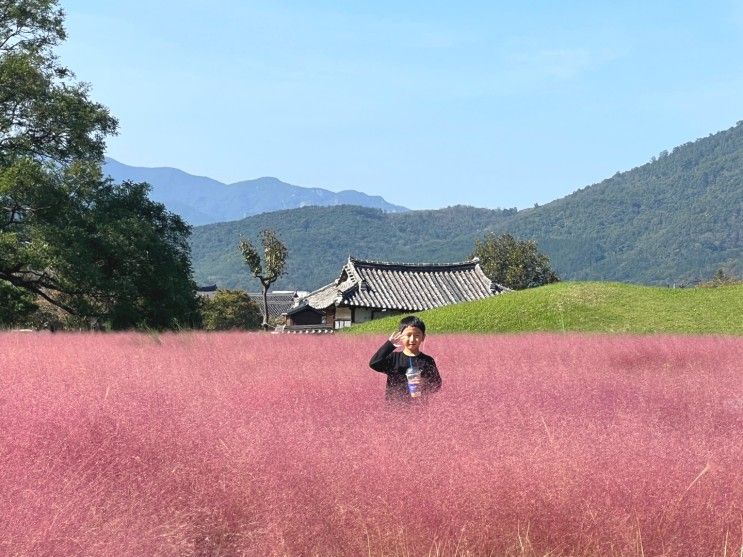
[254,444]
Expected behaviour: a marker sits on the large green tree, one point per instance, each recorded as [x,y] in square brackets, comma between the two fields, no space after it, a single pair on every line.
[67,235]
[15,304]
[514,263]
[132,259]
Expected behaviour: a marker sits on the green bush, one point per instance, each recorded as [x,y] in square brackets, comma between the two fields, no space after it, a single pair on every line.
[230,309]
[514,263]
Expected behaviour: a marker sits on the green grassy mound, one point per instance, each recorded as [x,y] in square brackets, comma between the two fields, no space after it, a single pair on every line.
[589,307]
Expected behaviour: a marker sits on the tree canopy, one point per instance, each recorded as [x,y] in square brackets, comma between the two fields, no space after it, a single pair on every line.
[67,234]
[514,263]
[274,260]
[230,309]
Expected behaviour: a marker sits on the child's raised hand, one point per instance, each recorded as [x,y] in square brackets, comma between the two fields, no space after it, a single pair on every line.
[395,339]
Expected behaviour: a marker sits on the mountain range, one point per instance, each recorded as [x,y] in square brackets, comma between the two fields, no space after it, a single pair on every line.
[200,200]
[675,220]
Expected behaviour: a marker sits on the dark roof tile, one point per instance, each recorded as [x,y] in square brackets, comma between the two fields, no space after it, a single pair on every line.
[404,286]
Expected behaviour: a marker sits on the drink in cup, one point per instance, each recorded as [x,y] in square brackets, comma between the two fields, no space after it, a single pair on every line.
[413,375]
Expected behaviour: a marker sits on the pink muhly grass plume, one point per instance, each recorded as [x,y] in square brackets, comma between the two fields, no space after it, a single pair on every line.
[255,444]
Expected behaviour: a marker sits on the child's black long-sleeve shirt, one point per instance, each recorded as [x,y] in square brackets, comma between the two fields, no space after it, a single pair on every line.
[395,364]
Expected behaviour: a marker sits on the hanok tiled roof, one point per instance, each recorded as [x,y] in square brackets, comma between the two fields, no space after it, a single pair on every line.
[206,291]
[404,286]
[302,308]
[278,302]
[323,297]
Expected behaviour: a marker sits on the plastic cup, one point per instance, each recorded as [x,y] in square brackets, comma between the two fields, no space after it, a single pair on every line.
[413,375]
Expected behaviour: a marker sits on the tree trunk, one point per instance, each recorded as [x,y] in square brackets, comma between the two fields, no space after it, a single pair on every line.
[265,285]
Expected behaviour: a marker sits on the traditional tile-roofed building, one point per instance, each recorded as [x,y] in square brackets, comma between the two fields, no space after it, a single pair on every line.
[206,291]
[279,301]
[369,289]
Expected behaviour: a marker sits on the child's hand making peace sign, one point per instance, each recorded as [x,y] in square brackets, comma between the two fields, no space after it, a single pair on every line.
[395,338]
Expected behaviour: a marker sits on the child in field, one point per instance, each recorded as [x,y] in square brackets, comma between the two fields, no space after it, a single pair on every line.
[411,374]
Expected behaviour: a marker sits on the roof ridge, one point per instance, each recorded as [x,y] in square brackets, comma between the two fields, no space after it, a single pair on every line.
[372,262]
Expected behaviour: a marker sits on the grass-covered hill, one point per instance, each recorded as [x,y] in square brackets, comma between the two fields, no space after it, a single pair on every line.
[677,219]
[588,307]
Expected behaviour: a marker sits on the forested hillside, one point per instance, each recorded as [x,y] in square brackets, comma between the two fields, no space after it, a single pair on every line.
[676,219]
[320,239]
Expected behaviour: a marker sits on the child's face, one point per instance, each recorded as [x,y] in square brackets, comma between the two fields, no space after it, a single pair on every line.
[412,338]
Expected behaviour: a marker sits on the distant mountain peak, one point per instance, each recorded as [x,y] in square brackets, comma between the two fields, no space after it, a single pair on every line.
[202,200]
[263,180]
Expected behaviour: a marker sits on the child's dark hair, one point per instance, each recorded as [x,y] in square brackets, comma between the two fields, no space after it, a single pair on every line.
[412,321]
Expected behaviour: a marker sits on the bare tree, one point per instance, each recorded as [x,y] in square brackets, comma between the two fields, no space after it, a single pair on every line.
[272,267]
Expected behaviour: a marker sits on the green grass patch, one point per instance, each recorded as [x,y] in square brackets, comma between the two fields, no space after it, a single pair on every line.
[589,307]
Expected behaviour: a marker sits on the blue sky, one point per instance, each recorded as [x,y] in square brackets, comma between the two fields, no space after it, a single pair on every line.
[428,104]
